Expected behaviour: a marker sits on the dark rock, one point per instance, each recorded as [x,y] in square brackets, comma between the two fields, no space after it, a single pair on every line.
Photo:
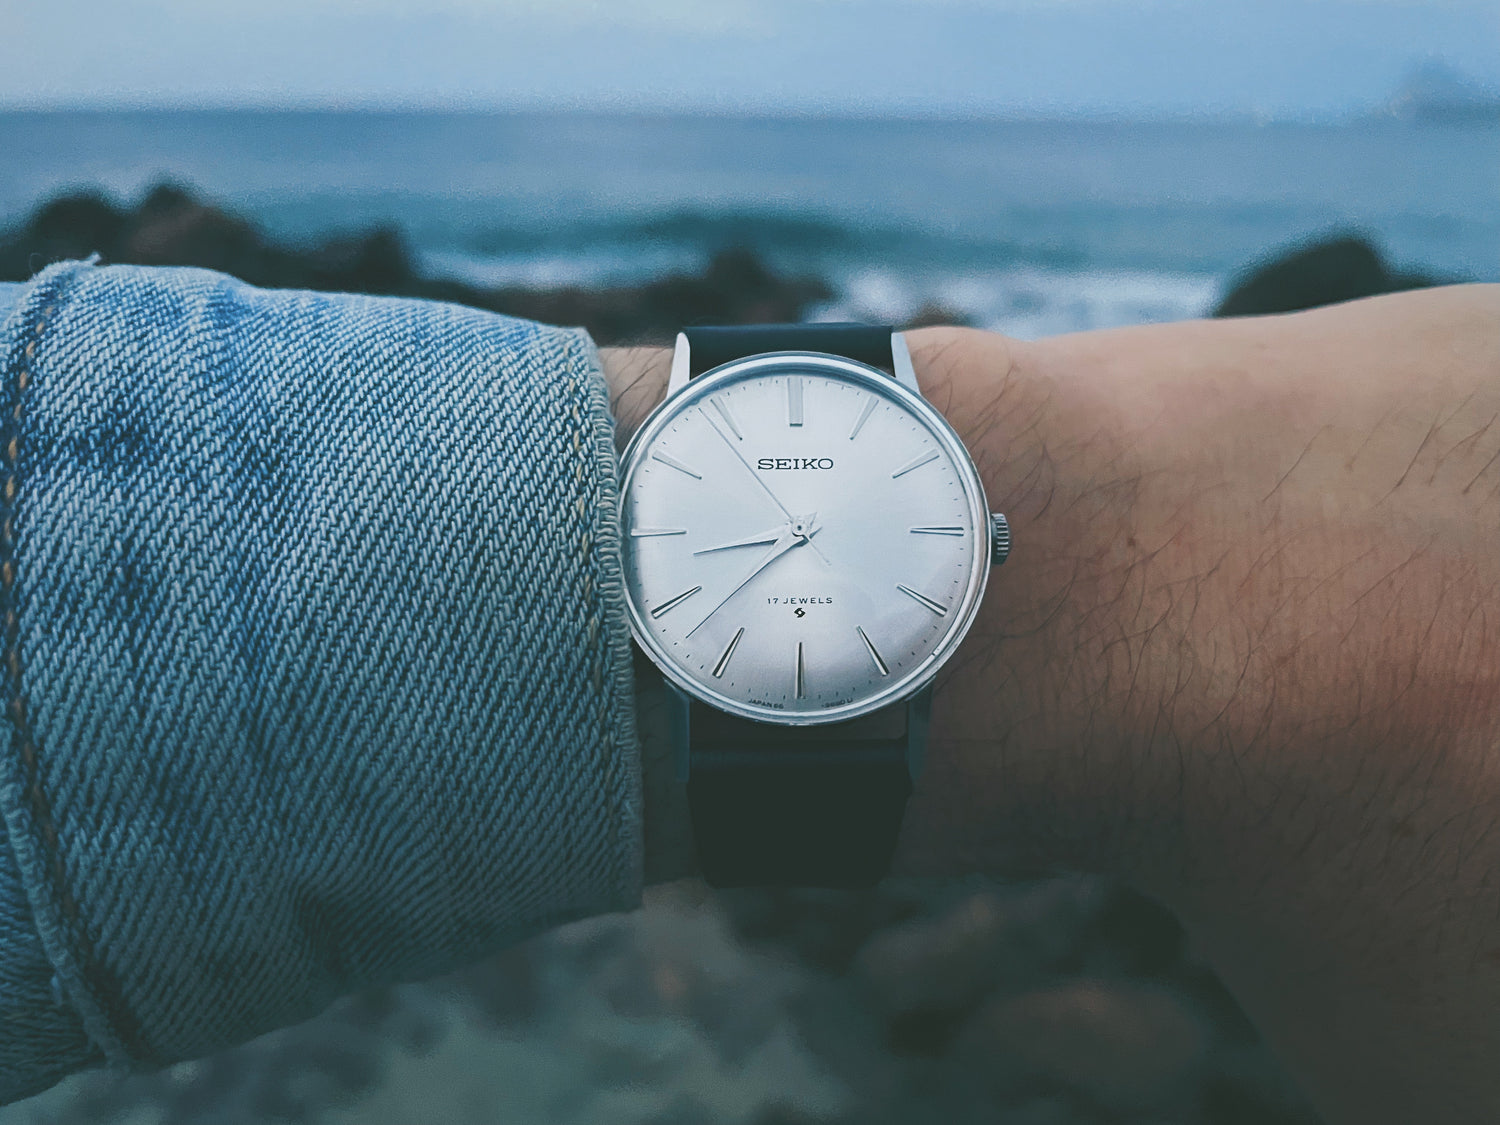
[684,1110]
[65,227]
[824,928]
[926,1031]
[374,262]
[1135,935]
[943,963]
[330,1071]
[928,972]
[170,225]
[1212,997]
[932,314]
[1340,268]
[407,1018]
[1125,1047]
[786,1115]
[1248,1087]
[737,1023]
[505,989]
[1047,1111]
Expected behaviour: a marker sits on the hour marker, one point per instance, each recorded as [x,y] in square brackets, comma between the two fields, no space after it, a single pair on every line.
[874,655]
[728,652]
[799,684]
[915,463]
[672,603]
[728,416]
[651,532]
[665,459]
[937,531]
[794,400]
[937,607]
[864,415]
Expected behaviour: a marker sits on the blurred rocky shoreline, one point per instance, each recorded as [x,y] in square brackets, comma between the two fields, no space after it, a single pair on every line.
[172,226]
[1052,1001]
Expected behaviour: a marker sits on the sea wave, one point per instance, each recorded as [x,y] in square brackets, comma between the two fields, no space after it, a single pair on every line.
[638,242]
[1027,302]
[584,268]
[1028,279]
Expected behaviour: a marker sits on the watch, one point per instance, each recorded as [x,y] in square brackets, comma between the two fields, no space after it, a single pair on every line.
[806,543]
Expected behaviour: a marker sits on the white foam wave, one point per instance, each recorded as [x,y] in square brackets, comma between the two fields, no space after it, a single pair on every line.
[1026,302]
[586,268]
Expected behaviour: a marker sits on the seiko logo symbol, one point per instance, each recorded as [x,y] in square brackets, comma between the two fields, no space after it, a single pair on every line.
[768,463]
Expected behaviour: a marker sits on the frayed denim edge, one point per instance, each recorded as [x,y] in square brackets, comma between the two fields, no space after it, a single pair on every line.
[618,705]
[23,803]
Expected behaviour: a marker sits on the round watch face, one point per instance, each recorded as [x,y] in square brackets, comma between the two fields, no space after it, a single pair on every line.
[806,540]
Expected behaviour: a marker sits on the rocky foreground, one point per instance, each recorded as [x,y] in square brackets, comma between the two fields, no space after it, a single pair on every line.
[1052,1001]
[1061,1001]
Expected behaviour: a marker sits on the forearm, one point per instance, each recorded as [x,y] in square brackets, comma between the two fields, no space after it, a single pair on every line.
[1294,690]
[1242,655]
[1238,542]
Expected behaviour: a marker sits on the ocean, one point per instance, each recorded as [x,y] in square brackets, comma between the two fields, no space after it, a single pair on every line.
[1033,227]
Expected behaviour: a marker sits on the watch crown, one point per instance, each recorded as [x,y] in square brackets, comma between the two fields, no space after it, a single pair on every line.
[999,538]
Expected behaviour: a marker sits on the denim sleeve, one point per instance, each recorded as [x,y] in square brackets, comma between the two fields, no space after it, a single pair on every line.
[316,670]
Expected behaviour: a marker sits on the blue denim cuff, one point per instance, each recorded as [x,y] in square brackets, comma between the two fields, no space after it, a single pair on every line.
[317,672]
[42,1037]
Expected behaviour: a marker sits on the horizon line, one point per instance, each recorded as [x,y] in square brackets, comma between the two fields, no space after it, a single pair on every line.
[1351,114]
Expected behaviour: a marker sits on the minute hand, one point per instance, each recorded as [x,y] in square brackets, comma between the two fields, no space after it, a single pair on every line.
[788,540]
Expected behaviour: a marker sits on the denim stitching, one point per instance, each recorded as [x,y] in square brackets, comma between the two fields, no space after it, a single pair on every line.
[613,675]
[23,738]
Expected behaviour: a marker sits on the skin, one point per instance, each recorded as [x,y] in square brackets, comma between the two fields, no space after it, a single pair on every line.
[1245,656]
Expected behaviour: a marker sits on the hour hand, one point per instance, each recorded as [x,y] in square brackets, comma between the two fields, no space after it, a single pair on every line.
[793,534]
[770,535]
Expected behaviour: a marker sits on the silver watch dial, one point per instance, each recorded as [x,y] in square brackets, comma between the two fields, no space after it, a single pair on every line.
[805,539]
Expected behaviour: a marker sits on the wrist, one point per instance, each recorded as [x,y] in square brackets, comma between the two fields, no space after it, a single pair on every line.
[1026,765]
[637,381]
[958,369]
[1029,763]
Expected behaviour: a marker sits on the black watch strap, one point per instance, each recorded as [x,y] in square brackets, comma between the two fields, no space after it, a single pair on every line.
[797,806]
[710,347]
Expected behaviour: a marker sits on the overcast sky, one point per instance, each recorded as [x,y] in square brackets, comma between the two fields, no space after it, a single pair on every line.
[1277,57]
